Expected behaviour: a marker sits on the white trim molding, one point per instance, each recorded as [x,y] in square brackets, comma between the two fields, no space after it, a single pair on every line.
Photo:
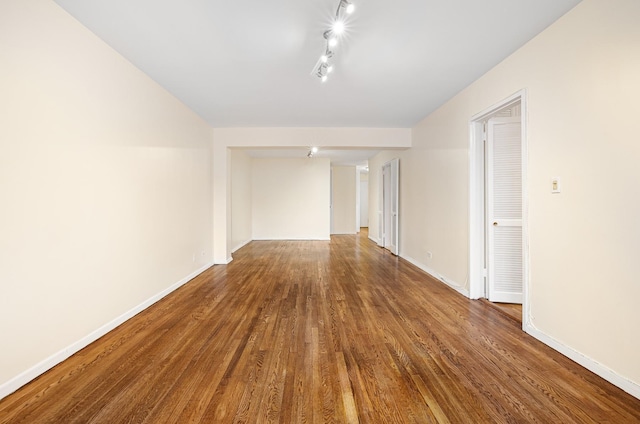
[477,196]
[460,289]
[25,377]
[241,245]
[594,366]
[375,240]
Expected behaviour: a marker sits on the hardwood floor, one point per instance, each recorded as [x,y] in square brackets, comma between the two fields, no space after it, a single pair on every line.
[512,310]
[314,331]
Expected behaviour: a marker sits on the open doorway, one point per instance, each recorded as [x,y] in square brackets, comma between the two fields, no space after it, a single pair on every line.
[498,231]
[389,222]
[364,198]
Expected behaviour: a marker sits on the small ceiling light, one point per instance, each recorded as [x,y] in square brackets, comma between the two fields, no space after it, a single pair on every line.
[338,27]
[333,41]
[348,6]
[325,57]
[314,149]
[323,78]
[329,69]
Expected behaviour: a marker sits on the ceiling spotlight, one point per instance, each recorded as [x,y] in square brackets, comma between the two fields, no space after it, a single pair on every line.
[314,149]
[325,57]
[338,27]
[348,6]
[329,69]
[322,71]
[331,38]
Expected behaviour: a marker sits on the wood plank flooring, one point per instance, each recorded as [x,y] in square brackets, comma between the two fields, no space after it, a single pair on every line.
[318,332]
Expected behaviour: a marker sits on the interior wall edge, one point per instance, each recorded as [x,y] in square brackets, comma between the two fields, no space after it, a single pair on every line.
[594,366]
[241,245]
[40,368]
[457,287]
[375,240]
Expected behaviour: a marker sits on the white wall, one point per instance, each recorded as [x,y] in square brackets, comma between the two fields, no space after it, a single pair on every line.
[241,208]
[582,77]
[105,188]
[290,199]
[344,199]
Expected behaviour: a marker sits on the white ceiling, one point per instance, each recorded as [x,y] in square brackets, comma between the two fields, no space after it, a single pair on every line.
[249,63]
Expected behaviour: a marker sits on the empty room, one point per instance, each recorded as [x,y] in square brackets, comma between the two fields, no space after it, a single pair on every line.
[327,211]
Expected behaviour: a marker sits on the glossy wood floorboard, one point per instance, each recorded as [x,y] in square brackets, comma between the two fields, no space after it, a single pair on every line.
[318,332]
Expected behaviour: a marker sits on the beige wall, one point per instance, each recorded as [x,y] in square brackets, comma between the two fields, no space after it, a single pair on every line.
[241,207]
[343,181]
[105,188]
[229,138]
[582,77]
[290,199]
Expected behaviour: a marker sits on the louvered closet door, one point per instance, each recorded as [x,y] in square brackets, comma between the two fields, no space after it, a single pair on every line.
[504,210]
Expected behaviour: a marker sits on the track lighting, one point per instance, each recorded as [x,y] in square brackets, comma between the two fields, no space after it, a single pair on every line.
[312,151]
[323,66]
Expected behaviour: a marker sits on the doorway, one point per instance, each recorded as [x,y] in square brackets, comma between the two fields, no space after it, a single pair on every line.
[498,251]
[389,208]
[364,199]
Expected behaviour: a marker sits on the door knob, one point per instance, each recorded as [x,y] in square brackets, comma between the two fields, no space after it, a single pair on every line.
[495,224]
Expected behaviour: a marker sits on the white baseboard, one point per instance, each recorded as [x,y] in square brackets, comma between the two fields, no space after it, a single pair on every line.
[597,368]
[23,378]
[460,289]
[375,240]
[240,246]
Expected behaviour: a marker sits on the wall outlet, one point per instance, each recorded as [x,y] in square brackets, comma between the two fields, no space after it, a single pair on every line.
[429,255]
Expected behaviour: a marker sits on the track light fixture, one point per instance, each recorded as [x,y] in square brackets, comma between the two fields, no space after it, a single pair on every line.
[312,151]
[331,36]
[348,6]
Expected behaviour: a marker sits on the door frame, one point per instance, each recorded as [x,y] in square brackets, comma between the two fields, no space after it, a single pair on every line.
[390,195]
[477,236]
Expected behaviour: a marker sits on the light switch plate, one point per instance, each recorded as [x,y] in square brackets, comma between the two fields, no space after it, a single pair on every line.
[555,185]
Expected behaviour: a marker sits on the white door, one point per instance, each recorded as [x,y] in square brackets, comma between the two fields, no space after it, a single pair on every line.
[504,210]
[390,195]
[364,203]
